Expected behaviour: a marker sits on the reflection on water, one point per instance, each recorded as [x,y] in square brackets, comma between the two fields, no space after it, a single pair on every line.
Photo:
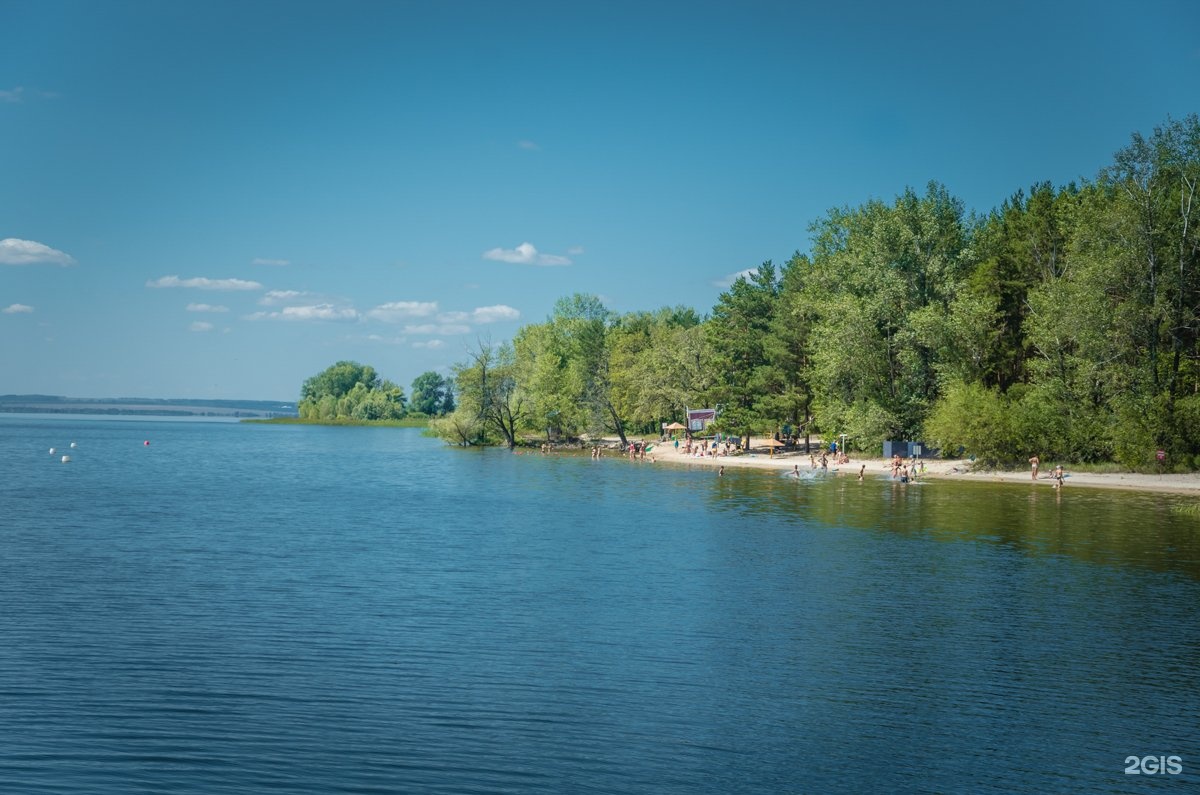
[1097,525]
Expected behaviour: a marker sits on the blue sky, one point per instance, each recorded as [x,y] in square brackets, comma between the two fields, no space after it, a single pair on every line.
[219,199]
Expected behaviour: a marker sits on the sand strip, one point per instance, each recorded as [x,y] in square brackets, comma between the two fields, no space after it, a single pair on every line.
[939,469]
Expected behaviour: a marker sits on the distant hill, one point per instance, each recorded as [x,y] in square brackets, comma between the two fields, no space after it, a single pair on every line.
[163,407]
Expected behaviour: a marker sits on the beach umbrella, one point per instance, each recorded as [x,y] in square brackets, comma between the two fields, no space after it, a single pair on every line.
[772,444]
[675,426]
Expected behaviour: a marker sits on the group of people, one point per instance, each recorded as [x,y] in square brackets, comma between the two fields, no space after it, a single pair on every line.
[903,471]
[1057,477]
[637,451]
[705,448]
[906,471]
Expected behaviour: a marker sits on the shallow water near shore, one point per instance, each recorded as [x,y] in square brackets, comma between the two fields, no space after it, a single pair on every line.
[245,608]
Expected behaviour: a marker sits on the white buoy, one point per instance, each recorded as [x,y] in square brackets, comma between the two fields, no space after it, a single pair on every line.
[51,451]
[72,444]
[66,459]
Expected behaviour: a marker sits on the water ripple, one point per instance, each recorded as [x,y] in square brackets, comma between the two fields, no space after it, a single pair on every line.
[381,614]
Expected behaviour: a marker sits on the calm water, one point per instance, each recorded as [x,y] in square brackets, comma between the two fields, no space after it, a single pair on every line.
[241,608]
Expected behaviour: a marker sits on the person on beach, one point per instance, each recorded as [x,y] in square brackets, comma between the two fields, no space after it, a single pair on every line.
[1033,463]
[862,470]
[1058,477]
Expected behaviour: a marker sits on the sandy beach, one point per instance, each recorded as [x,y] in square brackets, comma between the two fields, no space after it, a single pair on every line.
[759,458]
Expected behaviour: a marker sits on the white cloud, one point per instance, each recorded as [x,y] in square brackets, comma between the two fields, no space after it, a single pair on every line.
[200,325]
[276,297]
[402,310]
[524,254]
[14,251]
[431,344]
[478,316]
[265,261]
[575,251]
[436,328]
[17,309]
[304,313]
[493,314]
[529,146]
[727,281]
[202,283]
[386,340]
[19,93]
[206,308]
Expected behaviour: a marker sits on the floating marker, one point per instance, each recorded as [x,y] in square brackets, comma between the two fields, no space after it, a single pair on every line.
[72,444]
[146,443]
[66,459]
[51,451]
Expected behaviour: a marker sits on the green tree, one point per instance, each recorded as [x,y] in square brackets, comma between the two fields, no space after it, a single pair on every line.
[460,427]
[547,380]
[881,278]
[565,368]
[789,348]
[349,390]
[739,333]
[488,390]
[588,331]
[1023,244]
[432,394]
[338,379]
[1156,215]
[661,361]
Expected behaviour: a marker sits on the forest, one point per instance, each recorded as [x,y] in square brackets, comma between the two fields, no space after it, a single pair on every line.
[1063,323]
[352,392]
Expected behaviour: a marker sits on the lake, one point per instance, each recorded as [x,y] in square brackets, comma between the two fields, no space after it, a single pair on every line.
[248,608]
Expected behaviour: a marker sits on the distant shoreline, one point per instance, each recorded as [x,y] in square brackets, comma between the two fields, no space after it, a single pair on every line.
[145,407]
[343,422]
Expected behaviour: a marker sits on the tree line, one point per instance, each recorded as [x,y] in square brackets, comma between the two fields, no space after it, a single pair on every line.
[352,391]
[1065,323]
